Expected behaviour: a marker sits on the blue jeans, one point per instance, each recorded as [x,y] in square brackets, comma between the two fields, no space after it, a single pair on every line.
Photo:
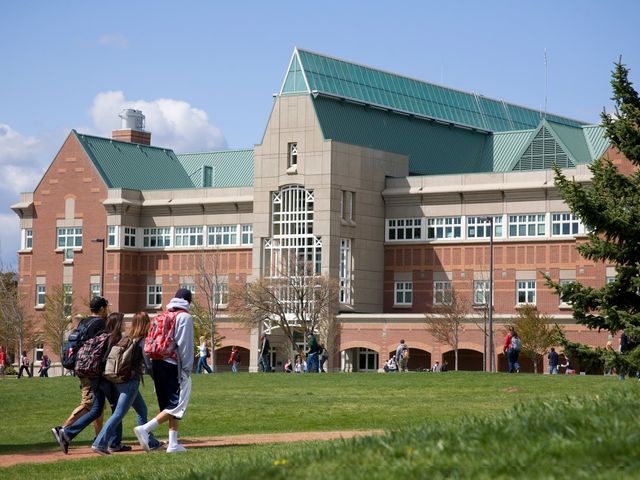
[264,363]
[140,407]
[512,356]
[553,369]
[126,394]
[312,362]
[71,431]
[202,364]
[234,366]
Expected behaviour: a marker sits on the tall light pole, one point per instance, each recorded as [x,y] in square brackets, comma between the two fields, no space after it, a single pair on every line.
[490,301]
[101,241]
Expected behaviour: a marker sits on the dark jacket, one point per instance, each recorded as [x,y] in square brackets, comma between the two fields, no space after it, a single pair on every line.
[313,345]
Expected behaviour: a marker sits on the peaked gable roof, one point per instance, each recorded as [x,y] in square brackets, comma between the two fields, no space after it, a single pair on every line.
[134,166]
[230,168]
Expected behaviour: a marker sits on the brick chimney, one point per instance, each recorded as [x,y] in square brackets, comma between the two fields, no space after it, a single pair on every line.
[132,128]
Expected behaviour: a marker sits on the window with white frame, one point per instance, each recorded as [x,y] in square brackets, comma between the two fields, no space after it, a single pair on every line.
[526,291]
[27,239]
[527,225]
[39,352]
[347,201]
[292,159]
[221,294]
[610,279]
[403,293]
[41,294]
[68,299]
[112,236]
[404,229]
[563,300]
[70,237]
[564,224]
[154,295]
[94,290]
[480,227]
[480,292]
[156,237]
[444,227]
[246,236]
[442,293]
[189,286]
[344,271]
[223,235]
[129,237]
[188,236]
[367,360]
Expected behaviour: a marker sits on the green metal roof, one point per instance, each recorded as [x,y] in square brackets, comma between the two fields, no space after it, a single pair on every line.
[133,165]
[503,147]
[231,168]
[596,140]
[323,75]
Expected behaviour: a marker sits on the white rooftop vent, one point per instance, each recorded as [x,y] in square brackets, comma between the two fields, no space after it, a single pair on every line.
[132,119]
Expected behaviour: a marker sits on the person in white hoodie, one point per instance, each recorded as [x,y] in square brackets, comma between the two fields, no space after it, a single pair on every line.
[172,377]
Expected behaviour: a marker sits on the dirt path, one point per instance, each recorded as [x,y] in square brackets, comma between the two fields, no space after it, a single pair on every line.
[76,453]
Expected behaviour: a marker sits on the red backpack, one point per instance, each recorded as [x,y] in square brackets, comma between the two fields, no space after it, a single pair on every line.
[160,343]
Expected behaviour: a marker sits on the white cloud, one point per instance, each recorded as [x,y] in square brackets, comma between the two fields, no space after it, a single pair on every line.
[173,123]
[113,40]
[9,239]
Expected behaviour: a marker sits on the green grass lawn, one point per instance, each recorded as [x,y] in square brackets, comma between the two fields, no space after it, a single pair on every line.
[410,404]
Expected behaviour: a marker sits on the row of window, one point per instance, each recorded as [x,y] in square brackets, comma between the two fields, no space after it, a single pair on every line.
[517,226]
[442,292]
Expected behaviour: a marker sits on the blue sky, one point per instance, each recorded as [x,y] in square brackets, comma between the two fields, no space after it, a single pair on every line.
[204,72]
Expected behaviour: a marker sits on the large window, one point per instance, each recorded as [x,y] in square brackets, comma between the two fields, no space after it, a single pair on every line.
[188,236]
[129,237]
[223,235]
[27,239]
[480,292]
[480,227]
[156,237]
[563,300]
[404,229]
[94,290]
[444,227]
[154,295]
[564,224]
[403,293]
[40,295]
[70,237]
[112,236]
[367,360]
[526,291]
[442,293]
[247,234]
[527,225]
[221,294]
[345,271]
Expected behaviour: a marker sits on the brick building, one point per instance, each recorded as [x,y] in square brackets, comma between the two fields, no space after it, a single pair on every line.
[391,185]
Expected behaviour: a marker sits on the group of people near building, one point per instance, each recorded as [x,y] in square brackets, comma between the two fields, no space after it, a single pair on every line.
[171,373]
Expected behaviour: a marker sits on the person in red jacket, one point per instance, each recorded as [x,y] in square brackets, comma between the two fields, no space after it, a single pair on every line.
[506,348]
[234,359]
[3,360]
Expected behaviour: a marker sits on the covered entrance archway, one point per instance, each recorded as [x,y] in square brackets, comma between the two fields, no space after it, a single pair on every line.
[468,360]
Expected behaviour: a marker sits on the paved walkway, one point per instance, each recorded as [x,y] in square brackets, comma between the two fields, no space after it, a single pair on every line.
[77,453]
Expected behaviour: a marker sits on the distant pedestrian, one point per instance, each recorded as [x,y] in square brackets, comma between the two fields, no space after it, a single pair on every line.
[264,350]
[390,366]
[402,356]
[298,364]
[436,367]
[3,360]
[553,361]
[24,365]
[234,359]
[313,350]
[322,358]
[514,352]
[445,366]
[288,366]
[203,353]
[45,364]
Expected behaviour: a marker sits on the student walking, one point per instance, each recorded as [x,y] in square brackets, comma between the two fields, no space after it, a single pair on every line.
[264,351]
[553,361]
[24,365]
[172,375]
[402,356]
[313,352]
[45,364]
[3,360]
[203,353]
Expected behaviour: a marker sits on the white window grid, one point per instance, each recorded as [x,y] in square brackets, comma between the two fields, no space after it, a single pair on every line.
[41,294]
[112,236]
[444,227]
[94,290]
[130,236]
[221,294]
[442,291]
[188,236]
[346,205]
[344,272]
[154,295]
[68,299]
[530,225]
[367,360]
[189,286]
[222,235]
[399,229]
[480,227]
[564,282]
[292,159]
[610,280]
[564,224]
[156,237]
[246,236]
[27,239]
[70,237]
[526,292]
[480,292]
[403,293]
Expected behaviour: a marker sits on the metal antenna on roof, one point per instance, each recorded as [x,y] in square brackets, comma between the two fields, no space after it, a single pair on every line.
[545,82]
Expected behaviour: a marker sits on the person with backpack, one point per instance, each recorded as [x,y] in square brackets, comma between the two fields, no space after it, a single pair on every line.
[170,346]
[402,356]
[234,359]
[24,365]
[514,351]
[313,352]
[45,364]
[203,354]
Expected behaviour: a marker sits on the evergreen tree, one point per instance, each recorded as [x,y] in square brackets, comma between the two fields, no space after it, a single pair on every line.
[610,207]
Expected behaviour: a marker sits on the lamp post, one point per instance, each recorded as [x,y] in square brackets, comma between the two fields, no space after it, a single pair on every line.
[490,301]
[101,241]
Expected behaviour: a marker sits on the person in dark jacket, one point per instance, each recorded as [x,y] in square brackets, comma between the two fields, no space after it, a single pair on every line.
[264,351]
[312,354]
[553,361]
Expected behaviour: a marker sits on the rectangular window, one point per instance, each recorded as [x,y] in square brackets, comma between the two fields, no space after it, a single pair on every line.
[442,293]
[345,271]
[188,236]
[223,235]
[207,176]
[189,286]
[292,159]
[129,237]
[70,237]
[444,227]
[95,290]
[154,295]
[247,234]
[156,237]
[610,279]
[564,224]
[40,295]
[221,294]
[112,237]
[404,229]
[27,239]
[563,301]
[480,227]
[403,293]
[480,292]
[526,291]
[68,299]
[346,205]
[39,352]
[527,225]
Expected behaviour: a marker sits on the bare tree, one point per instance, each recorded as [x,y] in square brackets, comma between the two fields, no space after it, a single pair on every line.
[536,331]
[296,300]
[15,324]
[56,317]
[447,323]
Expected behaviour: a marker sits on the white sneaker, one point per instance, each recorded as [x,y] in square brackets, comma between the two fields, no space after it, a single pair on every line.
[177,448]
[143,437]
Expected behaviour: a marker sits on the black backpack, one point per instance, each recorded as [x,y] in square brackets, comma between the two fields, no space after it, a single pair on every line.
[76,338]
